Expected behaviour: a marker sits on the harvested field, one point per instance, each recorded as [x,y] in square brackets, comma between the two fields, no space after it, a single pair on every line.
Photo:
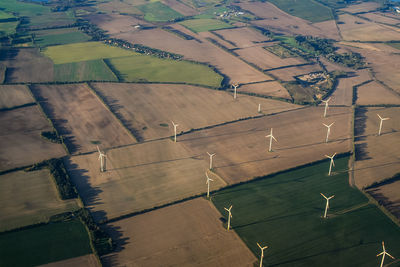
[80,117]
[374,93]
[242,148]
[354,28]
[380,18]
[30,198]
[115,7]
[218,39]
[243,37]
[14,95]
[388,196]
[140,177]
[20,140]
[330,66]
[377,157]
[191,233]
[266,60]
[181,7]
[189,106]
[19,64]
[288,74]
[363,7]
[234,68]
[378,47]
[271,88]
[115,23]
[88,260]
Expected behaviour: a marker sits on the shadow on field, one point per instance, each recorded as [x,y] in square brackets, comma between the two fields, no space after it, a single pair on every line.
[361,151]
[245,162]
[119,240]
[392,206]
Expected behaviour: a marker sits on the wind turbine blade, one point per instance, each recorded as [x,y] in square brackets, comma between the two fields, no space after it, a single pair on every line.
[325,125]
[385,119]
[380,254]
[265,247]
[331,196]
[333,162]
[331,124]
[211,180]
[323,195]
[259,246]
[226,209]
[334,155]
[379,116]
[389,255]
[327,156]
[274,138]
[230,207]
[98,149]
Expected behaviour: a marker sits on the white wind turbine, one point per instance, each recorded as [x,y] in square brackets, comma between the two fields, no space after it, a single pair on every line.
[270,140]
[102,156]
[211,159]
[328,132]
[235,85]
[259,108]
[332,163]
[383,253]
[229,217]
[327,203]
[380,125]
[262,253]
[175,125]
[326,105]
[208,184]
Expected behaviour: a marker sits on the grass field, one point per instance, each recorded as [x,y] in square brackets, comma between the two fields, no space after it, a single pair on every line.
[203,25]
[61,54]
[306,9]
[6,16]
[59,37]
[44,244]
[285,212]
[30,198]
[14,95]
[92,70]
[153,69]
[157,11]
[7,28]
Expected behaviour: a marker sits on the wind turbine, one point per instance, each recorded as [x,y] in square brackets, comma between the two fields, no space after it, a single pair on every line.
[262,253]
[327,203]
[208,185]
[332,163]
[380,125]
[259,108]
[235,85]
[175,125]
[229,216]
[102,156]
[326,105]
[211,158]
[270,140]
[383,253]
[328,132]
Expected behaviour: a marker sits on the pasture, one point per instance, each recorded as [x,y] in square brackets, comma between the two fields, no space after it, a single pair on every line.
[44,244]
[374,93]
[30,198]
[8,28]
[204,25]
[92,70]
[88,260]
[80,117]
[152,69]
[77,52]
[158,12]
[189,106]
[285,213]
[377,157]
[62,36]
[14,95]
[139,177]
[242,148]
[190,233]
[20,140]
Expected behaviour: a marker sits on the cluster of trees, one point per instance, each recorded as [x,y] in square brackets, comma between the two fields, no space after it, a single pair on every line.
[92,30]
[52,136]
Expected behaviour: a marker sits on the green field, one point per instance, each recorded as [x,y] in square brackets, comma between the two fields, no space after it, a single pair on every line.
[93,70]
[285,211]
[157,11]
[61,54]
[203,25]
[153,69]
[29,198]
[44,244]
[7,28]
[306,9]
[23,8]
[6,15]
[59,37]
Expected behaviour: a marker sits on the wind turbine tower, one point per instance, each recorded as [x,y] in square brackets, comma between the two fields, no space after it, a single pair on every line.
[102,157]
[328,132]
[332,163]
[383,253]
[262,253]
[211,159]
[175,125]
[380,125]
[235,86]
[327,203]
[326,106]
[229,217]
[259,108]
[208,185]
[270,140]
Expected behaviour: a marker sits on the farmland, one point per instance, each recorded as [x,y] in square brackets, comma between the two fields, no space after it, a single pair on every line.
[92,70]
[157,11]
[44,244]
[139,177]
[270,88]
[30,198]
[14,95]
[7,28]
[374,93]
[88,260]
[203,25]
[63,36]
[284,212]
[190,233]
[243,37]
[182,104]
[387,195]
[20,140]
